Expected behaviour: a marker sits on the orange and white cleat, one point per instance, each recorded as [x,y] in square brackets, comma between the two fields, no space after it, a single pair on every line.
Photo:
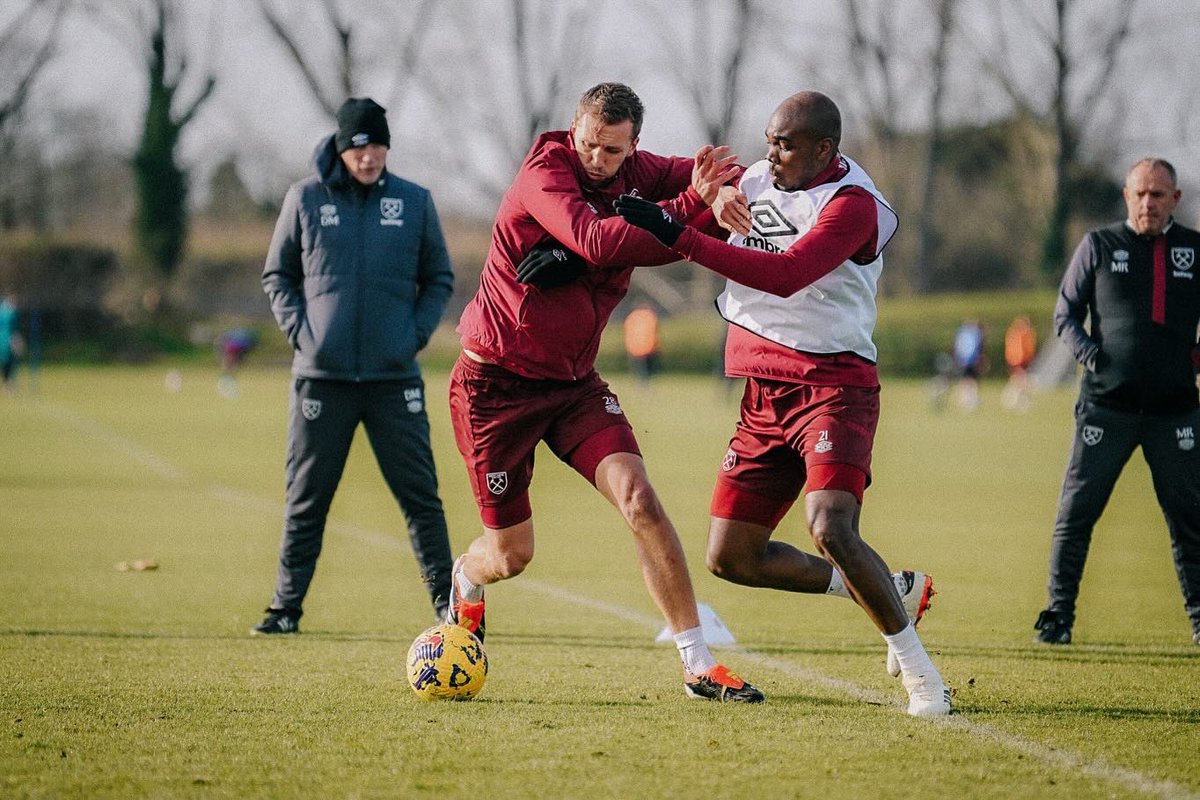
[462,612]
[722,685]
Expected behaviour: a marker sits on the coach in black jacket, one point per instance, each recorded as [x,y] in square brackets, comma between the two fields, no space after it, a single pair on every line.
[358,276]
[1138,283]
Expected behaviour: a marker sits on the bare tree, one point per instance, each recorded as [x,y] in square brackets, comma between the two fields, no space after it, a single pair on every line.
[1067,85]
[520,64]
[944,10]
[707,67]
[338,43]
[153,34]
[26,46]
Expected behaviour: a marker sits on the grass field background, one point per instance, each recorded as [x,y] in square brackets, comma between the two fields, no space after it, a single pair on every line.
[145,684]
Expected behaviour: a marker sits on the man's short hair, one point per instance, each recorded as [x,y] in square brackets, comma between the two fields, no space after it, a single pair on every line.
[1156,163]
[614,103]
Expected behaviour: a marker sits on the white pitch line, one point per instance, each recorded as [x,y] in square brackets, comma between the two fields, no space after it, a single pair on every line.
[152,461]
[1058,757]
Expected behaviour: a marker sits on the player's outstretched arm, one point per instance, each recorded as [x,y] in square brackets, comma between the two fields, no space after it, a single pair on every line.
[650,217]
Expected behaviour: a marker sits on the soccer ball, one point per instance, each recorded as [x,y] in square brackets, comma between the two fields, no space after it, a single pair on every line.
[446,662]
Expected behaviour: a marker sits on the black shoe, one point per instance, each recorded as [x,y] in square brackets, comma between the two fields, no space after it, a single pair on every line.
[277,621]
[723,686]
[1053,627]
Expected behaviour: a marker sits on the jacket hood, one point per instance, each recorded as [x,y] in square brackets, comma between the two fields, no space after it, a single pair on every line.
[327,163]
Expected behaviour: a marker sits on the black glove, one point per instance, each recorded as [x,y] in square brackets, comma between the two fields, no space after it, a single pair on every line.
[550,264]
[649,216]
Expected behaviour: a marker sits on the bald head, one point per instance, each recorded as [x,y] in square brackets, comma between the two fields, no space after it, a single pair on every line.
[803,136]
[814,114]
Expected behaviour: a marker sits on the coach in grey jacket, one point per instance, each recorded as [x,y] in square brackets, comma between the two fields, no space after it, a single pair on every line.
[358,276]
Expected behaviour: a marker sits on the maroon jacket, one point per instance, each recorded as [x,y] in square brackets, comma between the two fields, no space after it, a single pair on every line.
[555,333]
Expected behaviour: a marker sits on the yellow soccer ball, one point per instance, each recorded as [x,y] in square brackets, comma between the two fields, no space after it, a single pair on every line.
[447,662]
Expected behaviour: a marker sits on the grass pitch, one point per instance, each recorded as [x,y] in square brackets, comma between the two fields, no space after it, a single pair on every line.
[144,683]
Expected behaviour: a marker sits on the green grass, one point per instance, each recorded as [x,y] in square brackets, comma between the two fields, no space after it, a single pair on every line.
[144,684]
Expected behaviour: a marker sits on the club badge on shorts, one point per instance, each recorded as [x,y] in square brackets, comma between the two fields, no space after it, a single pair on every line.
[729,461]
[497,482]
[311,409]
[1092,435]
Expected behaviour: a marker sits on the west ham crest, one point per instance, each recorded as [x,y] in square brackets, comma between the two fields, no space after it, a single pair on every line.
[729,461]
[1182,258]
[390,211]
[497,482]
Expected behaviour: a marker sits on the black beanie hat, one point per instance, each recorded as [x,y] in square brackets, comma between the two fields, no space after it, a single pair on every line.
[361,121]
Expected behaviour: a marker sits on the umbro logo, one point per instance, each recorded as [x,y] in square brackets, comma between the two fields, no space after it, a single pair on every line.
[769,220]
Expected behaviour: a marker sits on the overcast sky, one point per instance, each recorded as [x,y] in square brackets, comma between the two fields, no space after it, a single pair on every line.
[262,112]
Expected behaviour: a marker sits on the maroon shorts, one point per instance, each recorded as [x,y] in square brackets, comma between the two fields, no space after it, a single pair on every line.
[792,434]
[499,418]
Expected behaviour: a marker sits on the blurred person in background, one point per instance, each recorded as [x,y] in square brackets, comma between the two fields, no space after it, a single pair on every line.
[969,361]
[641,342]
[358,276]
[1020,348]
[1137,284]
[12,345]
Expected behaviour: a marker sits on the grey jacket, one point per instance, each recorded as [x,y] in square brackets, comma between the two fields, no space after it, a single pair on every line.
[358,277]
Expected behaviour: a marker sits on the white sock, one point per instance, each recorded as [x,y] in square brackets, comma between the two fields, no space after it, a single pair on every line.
[837,586]
[915,663]
[697,659]
[467,590]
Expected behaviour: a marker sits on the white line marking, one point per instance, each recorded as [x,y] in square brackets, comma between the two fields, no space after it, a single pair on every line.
[1058,757]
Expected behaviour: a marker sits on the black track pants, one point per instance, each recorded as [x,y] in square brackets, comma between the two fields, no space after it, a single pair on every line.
[1103,442]
[323,416]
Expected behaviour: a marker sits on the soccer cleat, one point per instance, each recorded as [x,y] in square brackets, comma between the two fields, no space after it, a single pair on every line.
[463,612]
[916,590]
[721,685]
[1196,636]
[1053,627]
[277,621]
[927,698]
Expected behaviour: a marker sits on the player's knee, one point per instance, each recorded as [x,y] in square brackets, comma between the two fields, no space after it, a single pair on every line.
[724,565]
[640,506]
[833,537]
[511,562]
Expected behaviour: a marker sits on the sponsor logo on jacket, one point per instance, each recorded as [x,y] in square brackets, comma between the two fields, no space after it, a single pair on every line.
[1120,261]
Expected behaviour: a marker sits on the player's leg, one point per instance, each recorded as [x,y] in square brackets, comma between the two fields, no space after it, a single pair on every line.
[498,420]
[621,478]
[1102,444]
[398,429]
[1170,449]
[744,553]
[833,524]
[833,516]
[322,418]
